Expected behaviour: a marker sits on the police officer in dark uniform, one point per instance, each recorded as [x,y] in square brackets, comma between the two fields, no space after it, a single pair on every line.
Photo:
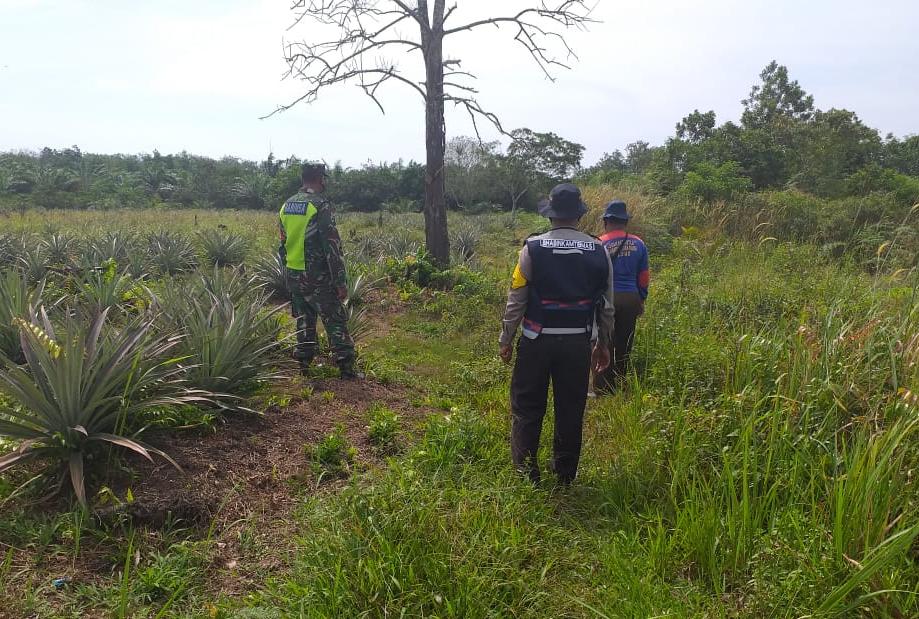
[562,289]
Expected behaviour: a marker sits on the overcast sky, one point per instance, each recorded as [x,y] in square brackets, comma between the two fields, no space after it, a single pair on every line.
[173,75]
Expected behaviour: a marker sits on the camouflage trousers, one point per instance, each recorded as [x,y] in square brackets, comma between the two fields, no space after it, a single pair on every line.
[312,300]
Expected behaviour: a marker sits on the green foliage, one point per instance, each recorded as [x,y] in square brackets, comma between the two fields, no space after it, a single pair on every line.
[60,249]
[223,248]
[384,426]
[227,342]
[170,576]
[359,285]
[170,253]
[873,179]
[271,275]
[710,183]
[333,455]
[464,242]
[370,187]
[777,97]
[758,462]
[552,156]
[102,289]
[86,388]
[18,300]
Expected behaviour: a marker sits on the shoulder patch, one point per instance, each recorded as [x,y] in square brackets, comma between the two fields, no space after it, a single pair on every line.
[296,208]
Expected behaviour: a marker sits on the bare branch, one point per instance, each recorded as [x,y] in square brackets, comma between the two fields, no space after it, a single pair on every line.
[534,33]
[475,110]
[362,32]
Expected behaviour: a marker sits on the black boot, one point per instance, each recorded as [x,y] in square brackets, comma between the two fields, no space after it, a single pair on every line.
[348,372]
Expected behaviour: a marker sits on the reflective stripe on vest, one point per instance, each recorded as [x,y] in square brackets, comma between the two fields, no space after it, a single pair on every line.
[295,217]
[569,278]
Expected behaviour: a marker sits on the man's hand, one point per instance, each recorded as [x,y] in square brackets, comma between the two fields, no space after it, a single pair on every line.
[599,360]
[506,353]
[342,293]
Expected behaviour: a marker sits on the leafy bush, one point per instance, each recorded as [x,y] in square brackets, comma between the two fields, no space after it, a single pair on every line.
[332,455]
[103,288]
[87,387]
[709,182]
[272,276]
[170,253]
[18,300]
[383,429]
[416,268]
[223,248]
[873,178]
[227,342]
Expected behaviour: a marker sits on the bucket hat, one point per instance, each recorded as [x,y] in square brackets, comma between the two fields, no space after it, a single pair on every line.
[564,203]
[616,210]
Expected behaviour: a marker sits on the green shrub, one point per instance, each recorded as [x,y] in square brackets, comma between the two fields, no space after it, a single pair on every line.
[272,276]
[170,253]
[223,248]
[87,387]
[104,288]
[227,344]
[875,179]
[333,455]
[383,429]
[17,300]
[709,182]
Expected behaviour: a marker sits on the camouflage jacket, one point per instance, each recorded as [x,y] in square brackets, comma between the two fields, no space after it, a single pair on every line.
[322,243]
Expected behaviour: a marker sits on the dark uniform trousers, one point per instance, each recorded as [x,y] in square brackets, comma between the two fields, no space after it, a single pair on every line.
[629,307]
[565,359]
[309,301]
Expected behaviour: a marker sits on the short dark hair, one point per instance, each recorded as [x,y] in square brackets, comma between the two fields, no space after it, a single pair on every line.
[312,172]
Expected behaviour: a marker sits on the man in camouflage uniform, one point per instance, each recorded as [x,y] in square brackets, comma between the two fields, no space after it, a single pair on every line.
[311,251]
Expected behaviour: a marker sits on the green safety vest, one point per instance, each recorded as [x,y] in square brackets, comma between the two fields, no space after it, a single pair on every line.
[295,217]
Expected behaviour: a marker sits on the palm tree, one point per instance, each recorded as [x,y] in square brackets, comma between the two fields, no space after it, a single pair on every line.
[251,190]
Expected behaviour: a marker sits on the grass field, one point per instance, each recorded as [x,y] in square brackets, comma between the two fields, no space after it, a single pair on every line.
[761,463]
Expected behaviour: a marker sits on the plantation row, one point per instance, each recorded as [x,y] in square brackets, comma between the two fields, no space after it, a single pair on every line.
[104,336]
[759,463]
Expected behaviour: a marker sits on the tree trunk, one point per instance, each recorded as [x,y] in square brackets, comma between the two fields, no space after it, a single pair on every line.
[435,204]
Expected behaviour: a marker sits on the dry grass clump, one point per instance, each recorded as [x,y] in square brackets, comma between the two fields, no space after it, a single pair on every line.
[642,207]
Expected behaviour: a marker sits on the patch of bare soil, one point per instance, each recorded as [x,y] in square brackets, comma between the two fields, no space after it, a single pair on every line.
[239,485]
[250,462]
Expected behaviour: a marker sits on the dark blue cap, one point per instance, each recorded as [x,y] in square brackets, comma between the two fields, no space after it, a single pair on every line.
[616,210]
[564,203]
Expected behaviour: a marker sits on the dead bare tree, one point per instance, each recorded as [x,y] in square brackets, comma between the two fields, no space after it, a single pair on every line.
[365,35]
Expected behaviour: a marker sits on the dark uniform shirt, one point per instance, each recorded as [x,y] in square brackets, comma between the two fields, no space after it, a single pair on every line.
[518,296]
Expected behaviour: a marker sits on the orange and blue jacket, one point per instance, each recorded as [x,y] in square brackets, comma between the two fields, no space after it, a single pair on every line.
[629,256]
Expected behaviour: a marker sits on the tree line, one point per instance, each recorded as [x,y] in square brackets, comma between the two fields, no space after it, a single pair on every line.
[782,141]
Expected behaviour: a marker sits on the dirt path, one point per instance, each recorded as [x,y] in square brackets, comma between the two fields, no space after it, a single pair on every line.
[239,486]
